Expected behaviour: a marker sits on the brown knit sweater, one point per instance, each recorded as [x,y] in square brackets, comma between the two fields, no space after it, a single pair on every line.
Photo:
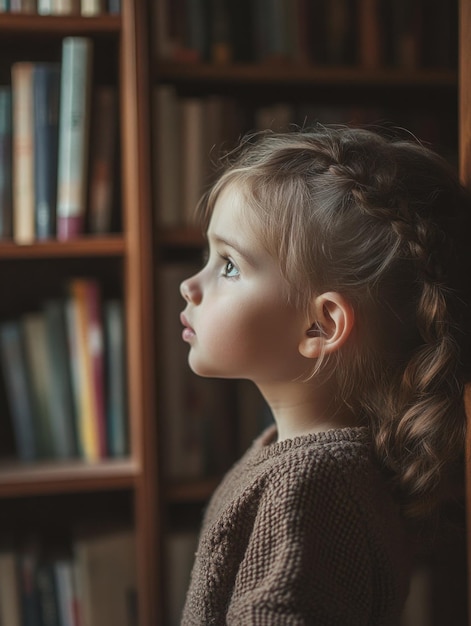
[302,531]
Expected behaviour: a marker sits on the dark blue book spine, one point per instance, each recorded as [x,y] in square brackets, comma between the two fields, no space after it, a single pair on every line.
[46,89]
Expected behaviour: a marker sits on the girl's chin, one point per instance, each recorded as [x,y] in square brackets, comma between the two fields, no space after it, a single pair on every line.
[205,371]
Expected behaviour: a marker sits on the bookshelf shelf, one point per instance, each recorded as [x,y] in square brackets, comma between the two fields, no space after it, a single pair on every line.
[21,480]
[290,73]
[86,247]
[24,25]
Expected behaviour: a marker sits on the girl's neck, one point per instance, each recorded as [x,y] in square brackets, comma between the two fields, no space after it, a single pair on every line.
[302,408]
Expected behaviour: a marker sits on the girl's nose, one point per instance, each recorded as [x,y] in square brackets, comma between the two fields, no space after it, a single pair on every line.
[190,290]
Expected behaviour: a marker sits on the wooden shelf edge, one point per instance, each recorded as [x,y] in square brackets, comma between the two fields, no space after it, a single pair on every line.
[86,246]
[304,74]
[49,477]
[24,24]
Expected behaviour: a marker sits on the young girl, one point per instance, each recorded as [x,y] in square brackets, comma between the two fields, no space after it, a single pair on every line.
[337,282]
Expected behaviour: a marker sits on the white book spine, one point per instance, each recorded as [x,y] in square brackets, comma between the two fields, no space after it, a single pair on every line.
[74,120]
[23,153]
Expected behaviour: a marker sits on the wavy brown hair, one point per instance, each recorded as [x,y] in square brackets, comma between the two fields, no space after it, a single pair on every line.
[386,223]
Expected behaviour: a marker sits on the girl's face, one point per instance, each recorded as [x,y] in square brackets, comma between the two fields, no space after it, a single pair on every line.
[237,320]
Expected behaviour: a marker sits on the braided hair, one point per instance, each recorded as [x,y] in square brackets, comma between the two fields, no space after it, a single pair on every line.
[383,221]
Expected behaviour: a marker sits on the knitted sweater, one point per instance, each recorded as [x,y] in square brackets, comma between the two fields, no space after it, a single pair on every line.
[302,531]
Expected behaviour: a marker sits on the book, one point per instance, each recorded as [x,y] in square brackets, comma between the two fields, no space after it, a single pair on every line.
[369,34]
[193,154]
[117,414]
[47,594]
[114,7]
[28,559]
[59,7]
[34,332]
[168,187]
[6,208]
[23,153]
[92,7]
[10,603]
[64,572]
[23,6]
[74,121]
[103,153]
[106,576]
[96,350]
[59,364]
[15,373]
[86,343]
[46,85]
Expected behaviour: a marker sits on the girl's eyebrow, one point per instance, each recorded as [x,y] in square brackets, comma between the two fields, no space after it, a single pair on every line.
[235,245]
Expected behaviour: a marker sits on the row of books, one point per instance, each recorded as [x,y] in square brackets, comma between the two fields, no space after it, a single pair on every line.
[61,7]
[50,171]
[63,372]
[192,132]
[370,33]
[91,583]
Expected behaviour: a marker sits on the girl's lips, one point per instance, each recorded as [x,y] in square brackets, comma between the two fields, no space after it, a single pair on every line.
[188,331]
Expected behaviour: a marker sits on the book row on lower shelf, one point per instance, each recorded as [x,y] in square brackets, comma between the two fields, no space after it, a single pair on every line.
[63,371]
[192,132]
[58,146]
[91,582]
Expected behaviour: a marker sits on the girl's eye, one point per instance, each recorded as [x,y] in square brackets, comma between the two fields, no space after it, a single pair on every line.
[230,270]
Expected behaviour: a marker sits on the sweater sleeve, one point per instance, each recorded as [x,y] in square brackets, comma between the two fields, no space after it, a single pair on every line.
[308,559]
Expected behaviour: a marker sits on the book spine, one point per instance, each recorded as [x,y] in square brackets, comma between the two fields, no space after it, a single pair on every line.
[66,7]
[92,7]
[66,593]
[193,129]
[59,365]
[114,7]
[73,136]
[23,6]
[45,7]
[6,209]
[168,156]
[87,418]
[103,152]
[47,595]
[18,389]
[23,153]
[10,604]
[34,331]
[96,354]
[46,86]
[116,378]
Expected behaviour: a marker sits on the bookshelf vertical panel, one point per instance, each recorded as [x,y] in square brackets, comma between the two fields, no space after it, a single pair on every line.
[465,172]
[140,300]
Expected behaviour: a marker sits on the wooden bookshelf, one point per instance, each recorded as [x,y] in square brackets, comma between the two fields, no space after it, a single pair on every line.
[125,258]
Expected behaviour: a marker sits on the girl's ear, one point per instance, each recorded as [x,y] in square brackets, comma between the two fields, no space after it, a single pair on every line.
[334,320]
